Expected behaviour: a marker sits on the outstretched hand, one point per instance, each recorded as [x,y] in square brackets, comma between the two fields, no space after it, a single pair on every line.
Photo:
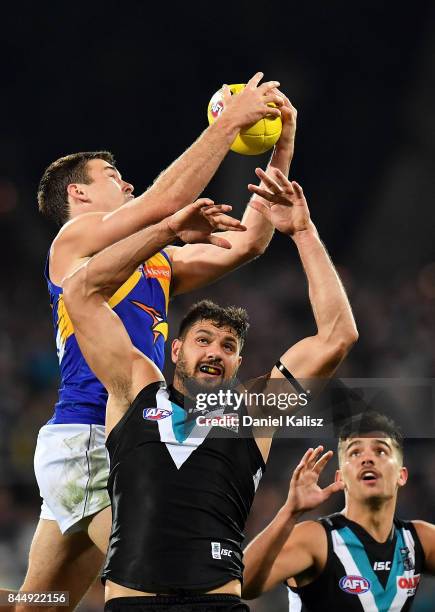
[196,222]
[304,492]
[252,103]
[283,202]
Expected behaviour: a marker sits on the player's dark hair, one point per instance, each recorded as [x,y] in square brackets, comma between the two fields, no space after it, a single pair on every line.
[52,190]
[371,422]
[221,316]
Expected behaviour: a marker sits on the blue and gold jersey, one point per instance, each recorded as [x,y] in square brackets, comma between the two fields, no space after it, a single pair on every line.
[142,304]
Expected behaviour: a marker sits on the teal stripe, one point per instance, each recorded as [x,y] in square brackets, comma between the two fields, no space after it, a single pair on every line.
[181,429]
[383,597]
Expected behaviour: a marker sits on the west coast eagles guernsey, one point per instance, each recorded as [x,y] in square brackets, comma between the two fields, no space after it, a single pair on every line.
[142,304]
[361,574]
[180,493]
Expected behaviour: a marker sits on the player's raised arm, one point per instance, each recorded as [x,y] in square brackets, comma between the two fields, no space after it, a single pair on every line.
[317,356]
[197,265]
[282,550]
[177,186]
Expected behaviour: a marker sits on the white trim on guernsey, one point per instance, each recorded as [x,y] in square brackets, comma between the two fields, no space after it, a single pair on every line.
[367,599]
[294,601]
[179,451]
[402,594]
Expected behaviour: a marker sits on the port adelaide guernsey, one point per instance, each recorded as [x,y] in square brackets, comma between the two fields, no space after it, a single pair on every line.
[181,494]
[361,574]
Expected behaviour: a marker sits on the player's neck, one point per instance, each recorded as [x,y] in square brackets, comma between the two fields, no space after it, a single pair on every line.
[376,519]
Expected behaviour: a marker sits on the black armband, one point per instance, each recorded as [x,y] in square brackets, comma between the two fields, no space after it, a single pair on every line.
[281,367]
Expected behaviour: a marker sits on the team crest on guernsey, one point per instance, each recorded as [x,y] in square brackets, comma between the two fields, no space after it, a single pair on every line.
[156,414]
[159,326]
[354,585]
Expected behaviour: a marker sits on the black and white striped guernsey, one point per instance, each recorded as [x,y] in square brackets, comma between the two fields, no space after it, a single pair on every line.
[181,494]
[361,574]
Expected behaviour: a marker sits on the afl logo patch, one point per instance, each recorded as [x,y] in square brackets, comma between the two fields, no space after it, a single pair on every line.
[156,414]
[216,108]
[354,585]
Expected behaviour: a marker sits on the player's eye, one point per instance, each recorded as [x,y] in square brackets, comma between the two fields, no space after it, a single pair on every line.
[202,340]
[229,347]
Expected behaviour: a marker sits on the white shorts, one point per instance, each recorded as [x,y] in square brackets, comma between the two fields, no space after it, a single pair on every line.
[71,468]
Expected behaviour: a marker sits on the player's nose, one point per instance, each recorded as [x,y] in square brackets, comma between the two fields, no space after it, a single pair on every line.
[127,187]
[213,353]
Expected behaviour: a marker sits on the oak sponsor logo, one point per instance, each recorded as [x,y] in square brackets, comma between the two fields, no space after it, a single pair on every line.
[408,583]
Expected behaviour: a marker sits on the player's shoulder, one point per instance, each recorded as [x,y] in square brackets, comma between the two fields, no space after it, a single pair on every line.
[78,227]
[309,538]
[172,251]
[424,530]
[309,534]
[71,243]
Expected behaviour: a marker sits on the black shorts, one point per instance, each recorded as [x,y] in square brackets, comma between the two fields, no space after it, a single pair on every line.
[177,603]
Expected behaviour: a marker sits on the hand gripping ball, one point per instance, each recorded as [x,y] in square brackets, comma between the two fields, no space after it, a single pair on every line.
[253,140]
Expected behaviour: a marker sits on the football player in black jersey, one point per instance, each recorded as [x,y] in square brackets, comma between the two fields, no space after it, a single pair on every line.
[180,499]
[362,559]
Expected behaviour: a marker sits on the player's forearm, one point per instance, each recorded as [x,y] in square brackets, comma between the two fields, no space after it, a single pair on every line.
[331,308]
[108,270]
[183,181]
[261,553]
[260,230]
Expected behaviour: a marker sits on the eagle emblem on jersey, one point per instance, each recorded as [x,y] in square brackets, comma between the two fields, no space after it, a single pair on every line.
[159,327]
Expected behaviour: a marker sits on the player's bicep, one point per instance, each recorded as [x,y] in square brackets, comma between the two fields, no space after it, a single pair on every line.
[90,233]
[296,556]
[312,357]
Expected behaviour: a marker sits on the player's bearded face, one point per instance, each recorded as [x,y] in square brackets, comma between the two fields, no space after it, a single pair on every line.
[371,469]
[207,359]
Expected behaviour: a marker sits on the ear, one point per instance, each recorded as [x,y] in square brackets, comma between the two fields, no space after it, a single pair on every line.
[239,361]
[403,477]
[175,349]
[77,191]
[339,477]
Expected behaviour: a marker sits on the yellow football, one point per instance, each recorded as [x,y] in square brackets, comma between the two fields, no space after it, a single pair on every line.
[253,140]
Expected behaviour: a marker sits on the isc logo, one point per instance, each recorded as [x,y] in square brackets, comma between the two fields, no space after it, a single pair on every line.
[155,414]
[355,585]
[382,565]
[217,552]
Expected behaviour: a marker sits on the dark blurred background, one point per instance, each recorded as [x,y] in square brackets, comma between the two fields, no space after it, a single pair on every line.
[136,78]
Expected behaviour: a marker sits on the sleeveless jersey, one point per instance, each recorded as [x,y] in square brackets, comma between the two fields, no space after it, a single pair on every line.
[142,304]
[361,574]
[181,493]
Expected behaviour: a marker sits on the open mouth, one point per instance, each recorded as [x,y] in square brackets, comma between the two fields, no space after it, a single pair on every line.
[210,369]
[369,476]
